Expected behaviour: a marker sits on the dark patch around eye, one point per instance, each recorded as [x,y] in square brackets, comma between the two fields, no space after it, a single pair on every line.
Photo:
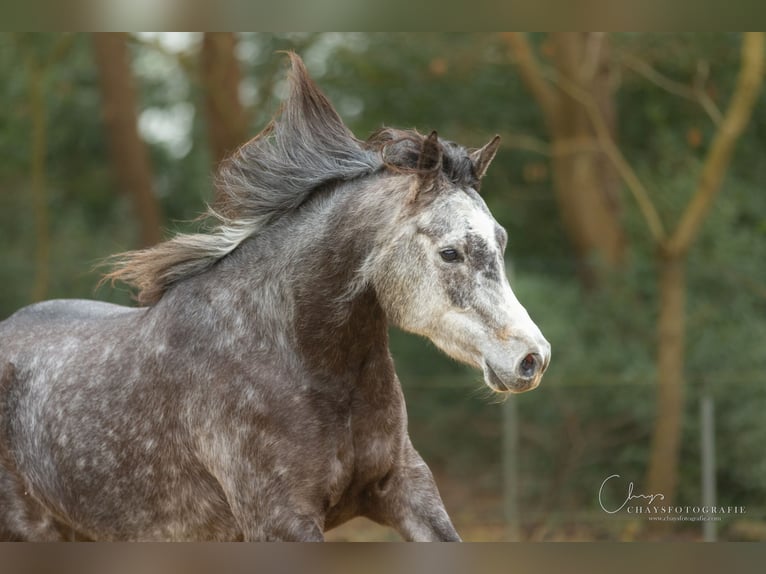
[481,257]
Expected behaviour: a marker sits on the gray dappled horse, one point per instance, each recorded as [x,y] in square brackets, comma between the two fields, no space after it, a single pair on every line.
[253,396]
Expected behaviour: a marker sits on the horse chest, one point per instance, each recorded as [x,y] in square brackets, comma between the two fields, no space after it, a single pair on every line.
[369,448]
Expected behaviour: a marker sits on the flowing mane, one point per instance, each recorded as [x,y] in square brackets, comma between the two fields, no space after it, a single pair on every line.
[305,147]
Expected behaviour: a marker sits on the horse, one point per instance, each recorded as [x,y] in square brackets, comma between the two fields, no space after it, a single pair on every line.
[251,394]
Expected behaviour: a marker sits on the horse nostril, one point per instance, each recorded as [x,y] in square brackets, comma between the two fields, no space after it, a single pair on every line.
[530,365]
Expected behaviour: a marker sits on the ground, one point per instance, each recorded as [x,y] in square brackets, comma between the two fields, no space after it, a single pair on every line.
[478,517]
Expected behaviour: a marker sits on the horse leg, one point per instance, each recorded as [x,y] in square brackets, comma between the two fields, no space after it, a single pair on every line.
[294,528]
[21,517]
[275,523]
[261,511]
[407,500]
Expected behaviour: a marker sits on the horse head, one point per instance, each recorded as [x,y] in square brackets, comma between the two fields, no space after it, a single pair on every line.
[442,275]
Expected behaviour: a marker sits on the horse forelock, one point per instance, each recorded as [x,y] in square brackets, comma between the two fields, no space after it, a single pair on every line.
[401,151]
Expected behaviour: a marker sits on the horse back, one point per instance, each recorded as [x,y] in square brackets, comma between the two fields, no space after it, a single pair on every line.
[49,334]
[33,328]
[62,310]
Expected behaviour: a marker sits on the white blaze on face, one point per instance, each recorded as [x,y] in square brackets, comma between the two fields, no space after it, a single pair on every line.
[466,306]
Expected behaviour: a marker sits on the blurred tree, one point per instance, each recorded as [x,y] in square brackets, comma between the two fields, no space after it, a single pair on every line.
[128,152]
[672,251]
[226,118]
[37,176]
[40,58]
[585,182]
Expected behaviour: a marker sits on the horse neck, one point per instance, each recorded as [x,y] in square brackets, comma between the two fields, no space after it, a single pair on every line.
[294,288]
[340,327]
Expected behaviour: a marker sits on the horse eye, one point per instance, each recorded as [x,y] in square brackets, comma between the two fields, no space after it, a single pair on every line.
[449,254]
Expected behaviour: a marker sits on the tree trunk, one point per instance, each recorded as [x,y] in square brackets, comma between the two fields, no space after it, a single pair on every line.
[38,183]
[662,476]
[585,182]
[226,118]
[128,152]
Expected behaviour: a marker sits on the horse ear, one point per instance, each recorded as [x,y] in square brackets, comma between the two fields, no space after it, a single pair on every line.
[430,160]
[428,166]
[307,108]
[482,157]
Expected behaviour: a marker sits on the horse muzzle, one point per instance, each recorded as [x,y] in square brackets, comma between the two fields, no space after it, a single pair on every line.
[521,375]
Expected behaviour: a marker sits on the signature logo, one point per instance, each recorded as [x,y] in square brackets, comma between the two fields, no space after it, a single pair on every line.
[646,498]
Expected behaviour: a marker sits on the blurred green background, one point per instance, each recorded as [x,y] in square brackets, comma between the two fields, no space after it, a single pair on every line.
[591,284]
